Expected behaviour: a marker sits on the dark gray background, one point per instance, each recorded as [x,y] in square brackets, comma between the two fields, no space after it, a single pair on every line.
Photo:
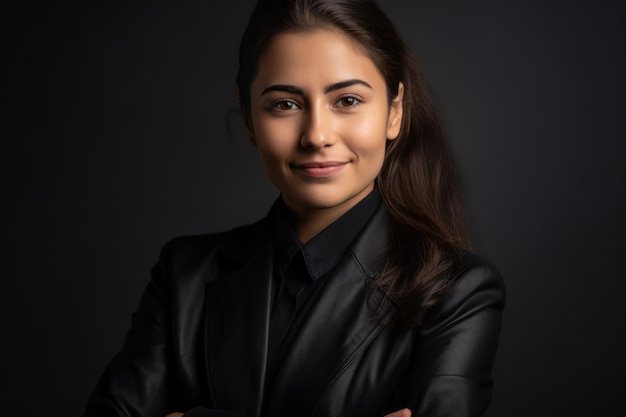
[118,142]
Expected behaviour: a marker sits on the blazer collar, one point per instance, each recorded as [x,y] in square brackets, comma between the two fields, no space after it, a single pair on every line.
[237,316]
[319,352]
[241,244]
[238,311]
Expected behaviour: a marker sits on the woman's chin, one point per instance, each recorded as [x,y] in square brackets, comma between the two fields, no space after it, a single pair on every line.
[324,199]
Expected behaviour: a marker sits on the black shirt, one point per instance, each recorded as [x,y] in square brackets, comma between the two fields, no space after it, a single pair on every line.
[300,270]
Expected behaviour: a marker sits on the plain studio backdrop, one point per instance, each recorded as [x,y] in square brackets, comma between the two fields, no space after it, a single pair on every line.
[124,133]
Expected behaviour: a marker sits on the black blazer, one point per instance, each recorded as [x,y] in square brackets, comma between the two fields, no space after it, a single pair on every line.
[199,339]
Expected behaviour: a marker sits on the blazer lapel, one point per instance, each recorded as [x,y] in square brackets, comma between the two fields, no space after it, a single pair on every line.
[336,331]
[238,307]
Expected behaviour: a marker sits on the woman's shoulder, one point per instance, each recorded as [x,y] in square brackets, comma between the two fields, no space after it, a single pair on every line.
[475,272]
[477,286]
[234,243]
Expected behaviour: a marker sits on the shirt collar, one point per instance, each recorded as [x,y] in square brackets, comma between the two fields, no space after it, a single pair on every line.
[324,250]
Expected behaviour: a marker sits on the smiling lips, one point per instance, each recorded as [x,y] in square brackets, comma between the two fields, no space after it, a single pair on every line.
[320,169]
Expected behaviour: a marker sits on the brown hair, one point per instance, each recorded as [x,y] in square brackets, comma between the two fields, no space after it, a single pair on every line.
[417,180]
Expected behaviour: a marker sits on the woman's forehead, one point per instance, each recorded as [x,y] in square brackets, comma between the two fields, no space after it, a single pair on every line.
[321,55]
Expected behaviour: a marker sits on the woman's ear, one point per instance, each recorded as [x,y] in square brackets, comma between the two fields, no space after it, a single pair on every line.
[394,119]
[247,121]
[249,131]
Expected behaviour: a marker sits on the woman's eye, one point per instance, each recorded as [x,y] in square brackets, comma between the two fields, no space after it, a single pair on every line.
[348,101]
[284,105]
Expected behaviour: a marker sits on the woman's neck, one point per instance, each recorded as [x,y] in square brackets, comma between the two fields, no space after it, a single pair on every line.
[307,222]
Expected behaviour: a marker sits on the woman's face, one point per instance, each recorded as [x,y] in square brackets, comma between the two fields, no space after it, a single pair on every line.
[320,118]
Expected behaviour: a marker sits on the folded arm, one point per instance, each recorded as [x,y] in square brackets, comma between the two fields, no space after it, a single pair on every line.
[450,372]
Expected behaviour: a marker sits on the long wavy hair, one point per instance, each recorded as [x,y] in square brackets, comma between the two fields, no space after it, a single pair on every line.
[417,181]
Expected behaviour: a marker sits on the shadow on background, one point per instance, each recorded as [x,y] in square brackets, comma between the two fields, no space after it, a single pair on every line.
[119,142]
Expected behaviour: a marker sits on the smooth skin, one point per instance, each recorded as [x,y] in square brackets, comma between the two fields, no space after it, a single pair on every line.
[320,118]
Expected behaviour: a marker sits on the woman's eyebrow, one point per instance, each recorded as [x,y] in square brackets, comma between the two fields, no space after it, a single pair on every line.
[333,87]
[282,87]
[344,84]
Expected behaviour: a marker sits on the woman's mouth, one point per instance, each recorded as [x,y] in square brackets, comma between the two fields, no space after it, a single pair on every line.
[319,169]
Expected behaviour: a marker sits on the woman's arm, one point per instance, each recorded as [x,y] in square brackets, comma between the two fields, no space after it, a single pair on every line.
[450,373]
[401,413]
[140,381]
[135,383]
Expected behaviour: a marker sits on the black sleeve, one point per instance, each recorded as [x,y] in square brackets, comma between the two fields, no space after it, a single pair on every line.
[135,383]
[138,380]
[450,371]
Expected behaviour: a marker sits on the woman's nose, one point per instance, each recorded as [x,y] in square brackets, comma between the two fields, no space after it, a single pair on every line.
[317,132]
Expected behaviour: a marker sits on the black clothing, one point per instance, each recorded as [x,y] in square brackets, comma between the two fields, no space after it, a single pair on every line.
[300,270]
[200,338]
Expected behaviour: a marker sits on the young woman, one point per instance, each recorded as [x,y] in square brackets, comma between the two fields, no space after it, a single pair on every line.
[356,295]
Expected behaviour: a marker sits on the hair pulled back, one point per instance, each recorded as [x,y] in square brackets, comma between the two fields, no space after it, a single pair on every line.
[417,181]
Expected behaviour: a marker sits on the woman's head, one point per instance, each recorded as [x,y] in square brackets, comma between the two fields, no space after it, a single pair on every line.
[320,117]
[417,171]
[417,176]
[416,179]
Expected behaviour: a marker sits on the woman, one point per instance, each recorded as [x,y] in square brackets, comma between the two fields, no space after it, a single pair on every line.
[356,295]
